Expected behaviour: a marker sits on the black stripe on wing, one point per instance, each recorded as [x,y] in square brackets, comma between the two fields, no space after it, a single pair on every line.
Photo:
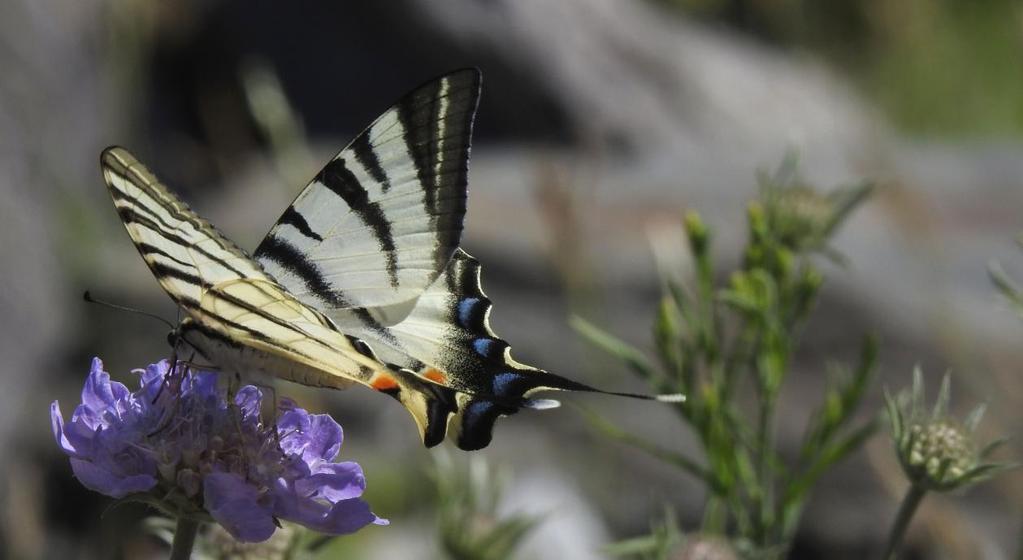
[367,156]
[342,182]
[299,263]
[438,141]
[293,218]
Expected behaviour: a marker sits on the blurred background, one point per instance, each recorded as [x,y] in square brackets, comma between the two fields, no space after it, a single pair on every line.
[601,121]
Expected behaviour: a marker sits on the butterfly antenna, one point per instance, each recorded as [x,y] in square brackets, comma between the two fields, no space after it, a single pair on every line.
[89,298]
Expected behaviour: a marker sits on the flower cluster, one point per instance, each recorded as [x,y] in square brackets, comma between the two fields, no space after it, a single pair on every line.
[936,450]
[181,444]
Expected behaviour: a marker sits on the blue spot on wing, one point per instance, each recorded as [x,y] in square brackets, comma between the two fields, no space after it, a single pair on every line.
[484,346]
[503,383]
[475,410]
[466,311]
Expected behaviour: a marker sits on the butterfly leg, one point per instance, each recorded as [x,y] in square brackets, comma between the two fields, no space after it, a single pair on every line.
[170,373]
[174,380]
[273,415]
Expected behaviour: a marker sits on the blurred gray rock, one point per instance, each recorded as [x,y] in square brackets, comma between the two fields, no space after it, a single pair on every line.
[671,93]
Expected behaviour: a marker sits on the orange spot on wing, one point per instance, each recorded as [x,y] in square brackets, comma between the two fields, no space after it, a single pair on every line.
[383,382]
[435,375]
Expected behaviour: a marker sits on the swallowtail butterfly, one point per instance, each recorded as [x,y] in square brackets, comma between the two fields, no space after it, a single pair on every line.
[361,280]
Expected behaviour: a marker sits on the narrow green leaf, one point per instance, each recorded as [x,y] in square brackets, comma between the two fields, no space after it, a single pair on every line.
[917,392]
[600,338]
[993,446]
[679,460]
[1009,289]
[844,201]
[798,488]
[894,415]
[944,395]
[983,472]
[632,547]
[974,417]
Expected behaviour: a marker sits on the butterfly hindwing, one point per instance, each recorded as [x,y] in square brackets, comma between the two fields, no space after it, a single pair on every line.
[305,347]
[446,340]
[377,224]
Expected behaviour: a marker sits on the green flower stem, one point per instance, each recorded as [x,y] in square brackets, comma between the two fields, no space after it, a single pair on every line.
[764,499]
[913,497]
[184,539]
[715,519]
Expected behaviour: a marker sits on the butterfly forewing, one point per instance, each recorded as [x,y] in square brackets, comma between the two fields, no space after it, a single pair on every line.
[232,305]
[379,222]
[186,254]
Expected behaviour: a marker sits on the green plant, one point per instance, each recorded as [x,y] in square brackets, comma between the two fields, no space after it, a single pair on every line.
[937,452]
[469,526]
[716,343]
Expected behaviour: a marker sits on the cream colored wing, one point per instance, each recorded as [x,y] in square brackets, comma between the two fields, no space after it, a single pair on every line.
[186,254]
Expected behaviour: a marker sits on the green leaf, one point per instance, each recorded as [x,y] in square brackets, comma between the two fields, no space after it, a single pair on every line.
[663,538]
[944,395]
[844,201]
[993,446]
[894,416]
[679,460]
[916,399]
[842,398]
[831,455]
[1010,290]
[635,546]
[632,357]
[698,234]
[974,417]
[986,471]
[669,338]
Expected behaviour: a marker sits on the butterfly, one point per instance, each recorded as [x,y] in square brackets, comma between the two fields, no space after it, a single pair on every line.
[360,281]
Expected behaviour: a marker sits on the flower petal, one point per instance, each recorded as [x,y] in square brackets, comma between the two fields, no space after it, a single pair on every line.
[314,437]
[236,506]
[151,380]
[102,480]
[250,400]
[293,428]
[100,394]
[201,384]
[57,424]
[96,394]
[333,482]
[344,517]
[340,518]
[325,436]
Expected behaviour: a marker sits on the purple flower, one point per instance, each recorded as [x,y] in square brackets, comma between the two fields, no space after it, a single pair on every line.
[177,442]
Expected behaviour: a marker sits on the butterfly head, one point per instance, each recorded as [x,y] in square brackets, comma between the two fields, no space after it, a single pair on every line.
[173,337]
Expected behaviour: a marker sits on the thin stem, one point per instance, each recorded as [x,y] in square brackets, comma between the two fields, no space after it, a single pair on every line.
[913,497]
[184,539]
[765,443]
[714,516]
